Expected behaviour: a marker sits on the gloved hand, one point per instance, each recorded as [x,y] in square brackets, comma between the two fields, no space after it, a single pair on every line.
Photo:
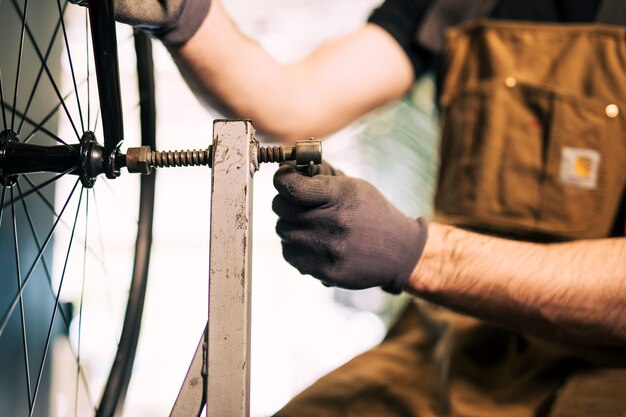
[171,21]
[344,232]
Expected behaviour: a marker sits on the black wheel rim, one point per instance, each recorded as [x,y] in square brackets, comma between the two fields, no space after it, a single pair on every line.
[119,378]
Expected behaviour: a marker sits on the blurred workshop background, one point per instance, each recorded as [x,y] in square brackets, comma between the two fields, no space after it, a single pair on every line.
[300,329]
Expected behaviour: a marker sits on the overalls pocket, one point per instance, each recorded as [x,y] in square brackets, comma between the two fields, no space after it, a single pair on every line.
[522,158]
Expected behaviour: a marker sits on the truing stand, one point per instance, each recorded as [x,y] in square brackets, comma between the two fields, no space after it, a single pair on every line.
[219,375]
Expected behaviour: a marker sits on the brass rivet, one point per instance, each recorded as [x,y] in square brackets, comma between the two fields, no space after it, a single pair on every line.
[611,110]
[510,82]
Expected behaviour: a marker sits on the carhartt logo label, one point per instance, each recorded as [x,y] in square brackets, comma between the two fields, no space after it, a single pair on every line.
[579,167]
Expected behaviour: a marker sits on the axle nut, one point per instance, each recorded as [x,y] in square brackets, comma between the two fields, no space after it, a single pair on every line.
[139,160]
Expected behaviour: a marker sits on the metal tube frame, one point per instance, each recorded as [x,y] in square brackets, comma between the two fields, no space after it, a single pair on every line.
[219,375]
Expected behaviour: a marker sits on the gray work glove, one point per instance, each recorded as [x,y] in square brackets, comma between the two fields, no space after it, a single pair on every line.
[174,22]
[344,232]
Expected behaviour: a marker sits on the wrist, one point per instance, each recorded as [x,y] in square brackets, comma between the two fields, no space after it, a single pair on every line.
[426,279]
[415,238]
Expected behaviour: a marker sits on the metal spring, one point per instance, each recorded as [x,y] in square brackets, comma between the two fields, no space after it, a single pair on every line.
[163,159]
[271,154]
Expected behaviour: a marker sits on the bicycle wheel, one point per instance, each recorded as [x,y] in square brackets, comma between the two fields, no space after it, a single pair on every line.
[57,212]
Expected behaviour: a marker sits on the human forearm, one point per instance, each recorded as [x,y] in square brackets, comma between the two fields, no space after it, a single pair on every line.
[574,291]
[314,97]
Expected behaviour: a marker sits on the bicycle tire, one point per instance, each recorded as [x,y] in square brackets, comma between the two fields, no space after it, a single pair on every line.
[114,392]
[119,377]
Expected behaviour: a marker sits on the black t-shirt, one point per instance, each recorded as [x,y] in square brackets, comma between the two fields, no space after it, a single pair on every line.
[402,19]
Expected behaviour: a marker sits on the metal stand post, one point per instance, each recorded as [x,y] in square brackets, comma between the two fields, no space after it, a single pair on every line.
[219,375]
[228,373]
[226,376]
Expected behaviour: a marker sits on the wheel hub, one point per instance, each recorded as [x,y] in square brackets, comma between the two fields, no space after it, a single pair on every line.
[86,159]
[6,136]
[91,160]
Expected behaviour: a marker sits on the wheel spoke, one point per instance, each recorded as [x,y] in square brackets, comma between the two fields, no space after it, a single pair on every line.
[46,69]
[95,125]
[51,208]
[48,116]
[40,127]
[105,269]
[4,189]
[35,188]
[22,317]
[64,317]
[88,69]
[26,281]
[82,299]
[38,243]
[43,197]
[4,111]
[19,62]
[69,58]
[40,73]
[56,304]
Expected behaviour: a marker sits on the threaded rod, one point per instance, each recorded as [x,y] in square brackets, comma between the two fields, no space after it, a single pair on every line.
[165,159]
[269,154]
[143,159]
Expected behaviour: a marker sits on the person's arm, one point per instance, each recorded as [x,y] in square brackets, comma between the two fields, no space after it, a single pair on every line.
[344,232]
[324,92]
[572,291]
